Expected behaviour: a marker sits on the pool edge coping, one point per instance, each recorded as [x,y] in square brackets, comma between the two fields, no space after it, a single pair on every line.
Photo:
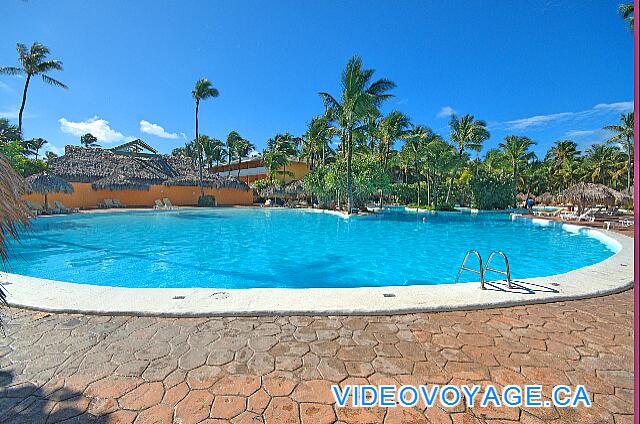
[612,275]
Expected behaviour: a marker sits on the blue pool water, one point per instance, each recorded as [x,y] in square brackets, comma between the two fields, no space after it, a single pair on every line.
[244,247]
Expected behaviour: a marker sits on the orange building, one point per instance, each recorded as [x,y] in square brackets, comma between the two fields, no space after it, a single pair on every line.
[136,175]
[253,169]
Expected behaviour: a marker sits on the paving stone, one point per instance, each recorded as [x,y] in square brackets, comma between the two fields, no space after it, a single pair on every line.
[142,397]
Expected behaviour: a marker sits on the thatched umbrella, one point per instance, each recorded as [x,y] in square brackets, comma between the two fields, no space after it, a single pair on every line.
[45,183]
[545,198]
[624,197]
[521,197]
[14,214]
[588,194]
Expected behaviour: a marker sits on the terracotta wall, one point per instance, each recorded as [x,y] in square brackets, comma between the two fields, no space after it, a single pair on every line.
[86,198]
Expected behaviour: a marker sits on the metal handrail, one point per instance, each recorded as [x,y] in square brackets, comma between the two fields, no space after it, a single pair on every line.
[477,271]
[507,271]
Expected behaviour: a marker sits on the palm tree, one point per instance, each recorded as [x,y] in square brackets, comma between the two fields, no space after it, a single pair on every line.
[626,10]
[416,141]
[516,148]
[392,127]
[273,161]
[202,91]
[624,136]
[602,161]
[243,149]
[34,62]
[89,140]
[214,151]
[562,157]
[232,139]
[359,99]
[8,132]
[35,144]
[465,131]
[316,140]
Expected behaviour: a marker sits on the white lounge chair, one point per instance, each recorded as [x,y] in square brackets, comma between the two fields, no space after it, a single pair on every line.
[62,208]
[117,203]
[159,204]
[167,203]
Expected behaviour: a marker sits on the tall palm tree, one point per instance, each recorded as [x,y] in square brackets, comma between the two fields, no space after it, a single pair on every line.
[34,145]
[316,140]
[392,127]
[602,161]
[34,62]
[232,139]
[624,135]
[214,151]
[626,10]
[243,149]
[465,131]
[562,158]
[202,91]
[417,140]
[359,99]
[516,148]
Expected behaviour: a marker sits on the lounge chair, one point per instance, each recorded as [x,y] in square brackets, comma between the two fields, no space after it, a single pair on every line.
[167,203]
[117,204]
[159,204]
[63,208]
[589,215]
[550,214]
[35,207]
[107,203]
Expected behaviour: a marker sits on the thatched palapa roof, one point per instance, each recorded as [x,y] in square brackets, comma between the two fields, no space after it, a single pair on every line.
[112,170]
[584,194]
[546,198]
[45,183]
[14,214]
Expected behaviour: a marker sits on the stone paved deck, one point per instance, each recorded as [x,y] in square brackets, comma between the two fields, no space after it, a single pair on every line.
[278,369]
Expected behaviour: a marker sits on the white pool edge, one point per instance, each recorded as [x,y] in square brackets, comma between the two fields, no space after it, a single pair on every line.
[613,275]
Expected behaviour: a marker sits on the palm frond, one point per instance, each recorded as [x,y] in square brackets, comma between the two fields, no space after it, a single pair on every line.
[11,70]
[53,81]
[49,65]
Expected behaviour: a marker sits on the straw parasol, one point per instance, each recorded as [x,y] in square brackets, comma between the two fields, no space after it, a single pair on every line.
[588,194]
[624,197]
[546,198]
[45,183]
[14,214]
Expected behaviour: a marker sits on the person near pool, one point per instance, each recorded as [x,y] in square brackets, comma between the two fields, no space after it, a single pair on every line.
[529,204]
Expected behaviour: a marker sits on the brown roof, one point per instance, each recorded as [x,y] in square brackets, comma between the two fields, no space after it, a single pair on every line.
[109,170]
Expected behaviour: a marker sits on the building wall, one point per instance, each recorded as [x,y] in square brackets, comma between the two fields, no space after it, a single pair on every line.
[253,170]
[87,198]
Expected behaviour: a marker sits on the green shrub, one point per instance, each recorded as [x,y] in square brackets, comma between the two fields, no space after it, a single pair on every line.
[206,201]
[490,191]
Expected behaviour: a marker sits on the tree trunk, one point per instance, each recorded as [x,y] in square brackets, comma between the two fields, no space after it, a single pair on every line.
[453,175]
[428,187]
[415,161]
[199,152]
[24,101]
[239,163]
[628,164]
[349,171]
[515,185]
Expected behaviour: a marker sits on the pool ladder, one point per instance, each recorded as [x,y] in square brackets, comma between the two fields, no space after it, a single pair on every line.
[482,270]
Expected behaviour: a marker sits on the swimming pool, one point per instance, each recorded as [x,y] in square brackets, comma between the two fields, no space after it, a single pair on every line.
[249,247]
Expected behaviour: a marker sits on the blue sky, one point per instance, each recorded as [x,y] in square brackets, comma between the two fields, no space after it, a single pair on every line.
[546,69]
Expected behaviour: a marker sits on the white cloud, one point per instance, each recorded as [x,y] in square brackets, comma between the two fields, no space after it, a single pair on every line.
[579,133]
[445,112]
[5,87]
[96,126]
[599,109]
[57,150]
[155,129]
[9,113]
[615,107]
